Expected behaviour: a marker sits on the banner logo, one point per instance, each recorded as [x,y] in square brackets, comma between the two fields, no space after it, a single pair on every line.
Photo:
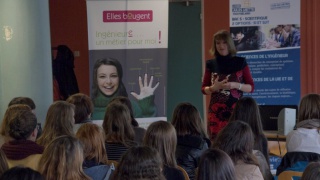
[128,16]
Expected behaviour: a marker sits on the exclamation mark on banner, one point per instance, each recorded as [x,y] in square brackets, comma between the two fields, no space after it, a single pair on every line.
[159,37]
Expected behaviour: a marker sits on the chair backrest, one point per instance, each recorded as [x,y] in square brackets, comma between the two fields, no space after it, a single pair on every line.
[184,172]
[288,175]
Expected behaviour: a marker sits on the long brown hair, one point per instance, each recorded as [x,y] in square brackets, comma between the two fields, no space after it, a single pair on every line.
[162,136]
[215,164]
[59,121]
[236,139]
[141,162]
[186,120]
[309,107]
[62,160]
[92,138]
[116,124]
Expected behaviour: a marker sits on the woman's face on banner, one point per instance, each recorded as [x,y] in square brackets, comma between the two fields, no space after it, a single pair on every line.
[108,79]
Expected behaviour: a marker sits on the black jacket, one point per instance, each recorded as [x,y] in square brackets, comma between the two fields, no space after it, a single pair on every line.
[189,150]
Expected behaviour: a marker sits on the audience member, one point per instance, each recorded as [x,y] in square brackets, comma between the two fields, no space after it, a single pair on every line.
[162,136]
[139,163]
[21,173]
[236,139]
[62,160]
[3,162]
[27,101]
[118,130]
[215,165]
[191,135]
[23,100]
[83,109]
[306,137]
[247,110]
[59,121]
[23,150]
[11,110]
[94,150]
[312,171]
[138,131]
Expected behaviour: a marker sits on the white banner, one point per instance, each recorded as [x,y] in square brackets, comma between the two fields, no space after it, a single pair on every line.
[135,33]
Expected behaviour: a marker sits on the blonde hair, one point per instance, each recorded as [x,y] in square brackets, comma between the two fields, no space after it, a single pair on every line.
[224,36]
[62,160]
[9,114]
[162,136]
[59,121]
[309,107]
[117,123]
[92,138]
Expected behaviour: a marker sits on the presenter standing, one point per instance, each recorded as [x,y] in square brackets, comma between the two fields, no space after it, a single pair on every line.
[226,77]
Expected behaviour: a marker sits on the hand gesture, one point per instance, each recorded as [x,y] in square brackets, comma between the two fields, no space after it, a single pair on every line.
[145,88]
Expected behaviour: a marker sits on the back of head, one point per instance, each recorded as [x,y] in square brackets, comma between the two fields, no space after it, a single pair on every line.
[116,123]
[141,162]
[236,139]
[23,100]
[215,164]
[92,138]
[126,101]
[312,171]
[19,173]
[59,121]
[247,110]
[162,136]
[22,125]
[10,112]
[62,159]
[309,107]
[83,107]
[186,120]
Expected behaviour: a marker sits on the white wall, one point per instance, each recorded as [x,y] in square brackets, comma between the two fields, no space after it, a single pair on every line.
[25,59]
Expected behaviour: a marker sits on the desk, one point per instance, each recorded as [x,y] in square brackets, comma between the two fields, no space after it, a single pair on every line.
[276,143]
[274,136]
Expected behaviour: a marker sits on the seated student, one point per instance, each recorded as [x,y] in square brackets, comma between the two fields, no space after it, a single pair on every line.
[95,156]
[20,172]
[139,163]
[312,171]
[24,100]
[3,162]
[27,101]
[11,110]
[118,130]
[83,109]
[59,121]
[138,131]
[215,164]
[62,159]
[306,137]
[191,135]
[236,139]
[162,136]
[23,150]
[247,110]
